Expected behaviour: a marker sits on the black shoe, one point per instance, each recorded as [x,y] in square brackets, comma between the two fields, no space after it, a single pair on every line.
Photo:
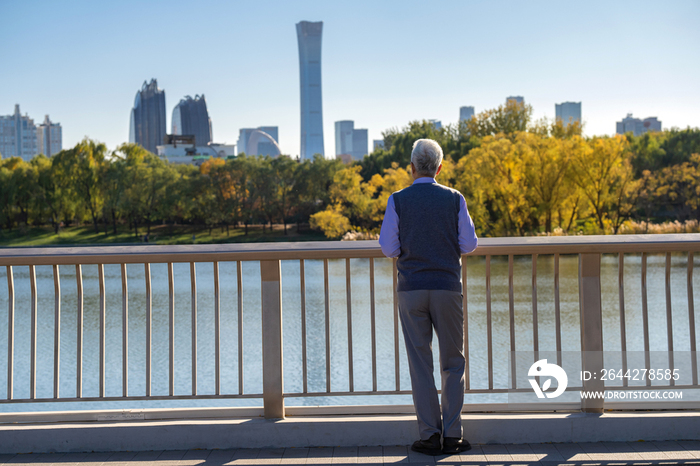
[451,445]
[428,447]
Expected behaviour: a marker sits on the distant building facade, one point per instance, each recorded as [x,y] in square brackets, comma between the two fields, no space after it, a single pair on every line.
[190,116]
[568,113]
[259,141]
[183,149]
[309,39]
[378,144]
[518,99]
[637,126]
[466,113]
[343,136]
[147,126]
[49,137]
[350,141]
[360,144]
[20,137]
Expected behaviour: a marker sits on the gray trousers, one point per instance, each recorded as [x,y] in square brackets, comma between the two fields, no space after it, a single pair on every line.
[420,311]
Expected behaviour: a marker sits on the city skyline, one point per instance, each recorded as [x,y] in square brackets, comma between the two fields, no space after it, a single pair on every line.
[376,77]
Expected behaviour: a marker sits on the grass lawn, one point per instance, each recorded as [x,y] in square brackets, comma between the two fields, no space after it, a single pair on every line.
[160,234]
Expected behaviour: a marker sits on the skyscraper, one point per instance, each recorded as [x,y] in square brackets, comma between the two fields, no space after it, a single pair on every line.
[568,113]
[359,144]
[17,136]
[49,137]
[343,136]
[437,124]
[349,140]
[190,117]
[147,126]
[466,113]
[309,38]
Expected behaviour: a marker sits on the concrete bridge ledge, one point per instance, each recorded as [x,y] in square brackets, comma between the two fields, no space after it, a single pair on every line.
[345,430]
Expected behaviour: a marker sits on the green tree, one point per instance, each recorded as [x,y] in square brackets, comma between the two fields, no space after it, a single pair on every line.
[149,179]
[284,171]
[10,189]
[400,146]
[81,169]
[674,189]
[49,193]
[115,184]
[263,189]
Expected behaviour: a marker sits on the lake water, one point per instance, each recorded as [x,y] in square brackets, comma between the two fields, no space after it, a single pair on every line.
[315,311]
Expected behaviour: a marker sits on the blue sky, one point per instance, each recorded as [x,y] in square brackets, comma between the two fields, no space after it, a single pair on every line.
[385,63]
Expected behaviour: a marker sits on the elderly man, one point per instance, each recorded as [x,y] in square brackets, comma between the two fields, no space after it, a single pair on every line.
[427,226]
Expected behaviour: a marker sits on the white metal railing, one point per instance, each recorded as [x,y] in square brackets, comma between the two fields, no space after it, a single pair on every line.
[270,255]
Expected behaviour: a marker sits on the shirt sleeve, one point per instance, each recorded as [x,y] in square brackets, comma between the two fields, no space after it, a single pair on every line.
[467,234]
[389,234]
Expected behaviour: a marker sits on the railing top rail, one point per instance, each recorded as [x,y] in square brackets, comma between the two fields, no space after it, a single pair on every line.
[139,254]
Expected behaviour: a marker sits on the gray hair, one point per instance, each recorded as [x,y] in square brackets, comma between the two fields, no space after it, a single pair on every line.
[426,156]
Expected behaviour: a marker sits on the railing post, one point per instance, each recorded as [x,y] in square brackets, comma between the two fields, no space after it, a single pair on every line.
[591,329]
[270,272]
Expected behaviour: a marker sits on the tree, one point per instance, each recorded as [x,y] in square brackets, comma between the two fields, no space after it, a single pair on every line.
[11,187]
[49,193]
[604,174]
[218,187]
[331,222]
[546,164]
[653,150]
[241,172]
[149,178]
[115,183]
[263,189]
[284,171]
[400,145]
[311,192]
[507,119]
[674,189]
[500,173]
[81,169]
[23,182]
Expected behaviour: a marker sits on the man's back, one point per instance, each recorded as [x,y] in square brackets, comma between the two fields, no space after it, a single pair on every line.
[428,231]
[428,227]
